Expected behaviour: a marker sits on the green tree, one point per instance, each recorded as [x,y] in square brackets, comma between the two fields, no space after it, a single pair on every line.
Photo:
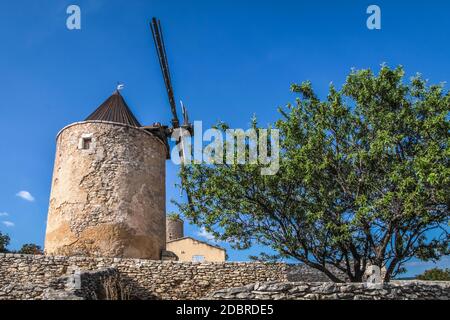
[363,179]
[435,274]
[4,242]
[174,216]
[31,248]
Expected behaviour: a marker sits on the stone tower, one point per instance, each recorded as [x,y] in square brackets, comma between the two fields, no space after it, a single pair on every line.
[108,187]
[174,228]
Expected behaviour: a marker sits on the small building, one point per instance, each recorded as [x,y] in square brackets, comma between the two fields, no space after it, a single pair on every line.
[188,248]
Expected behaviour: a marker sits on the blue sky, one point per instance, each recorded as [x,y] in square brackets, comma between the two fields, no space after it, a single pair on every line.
[229,59]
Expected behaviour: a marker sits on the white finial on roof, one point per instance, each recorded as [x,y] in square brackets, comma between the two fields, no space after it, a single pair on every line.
[120,86]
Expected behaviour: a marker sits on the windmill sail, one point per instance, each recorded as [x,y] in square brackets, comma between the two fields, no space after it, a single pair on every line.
[185,114]
[162,57]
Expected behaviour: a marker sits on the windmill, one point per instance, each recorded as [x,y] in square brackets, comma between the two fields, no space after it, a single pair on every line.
[186,125]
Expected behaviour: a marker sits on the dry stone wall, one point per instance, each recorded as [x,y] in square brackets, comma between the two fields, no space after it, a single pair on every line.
[102,284]
[396,290]
[28,277]
[53,277]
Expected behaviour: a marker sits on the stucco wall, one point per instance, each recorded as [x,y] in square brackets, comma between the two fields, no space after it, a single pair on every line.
[108,200]
[187,248]
[27,276]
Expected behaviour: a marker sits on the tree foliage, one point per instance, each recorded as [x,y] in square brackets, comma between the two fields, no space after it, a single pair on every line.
[4,242]
[31,248]
[363,179]
[435,274]
[174,216]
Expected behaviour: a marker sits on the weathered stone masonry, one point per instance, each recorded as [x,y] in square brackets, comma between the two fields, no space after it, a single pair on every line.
[27,277]
[396,290]
[107,200]
[102,284]
[48,277]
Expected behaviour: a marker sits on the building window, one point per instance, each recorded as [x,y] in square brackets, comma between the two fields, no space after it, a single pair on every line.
[86,142]
[198,258]
[86,145]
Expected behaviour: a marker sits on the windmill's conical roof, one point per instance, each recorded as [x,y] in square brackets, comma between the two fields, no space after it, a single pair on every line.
[115,109]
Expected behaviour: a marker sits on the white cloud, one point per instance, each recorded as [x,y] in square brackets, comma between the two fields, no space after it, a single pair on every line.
[9,224]
[4,214]
[207,235]
[25,195]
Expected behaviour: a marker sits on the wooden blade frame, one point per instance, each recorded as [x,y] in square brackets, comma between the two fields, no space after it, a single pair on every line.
[162,57]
